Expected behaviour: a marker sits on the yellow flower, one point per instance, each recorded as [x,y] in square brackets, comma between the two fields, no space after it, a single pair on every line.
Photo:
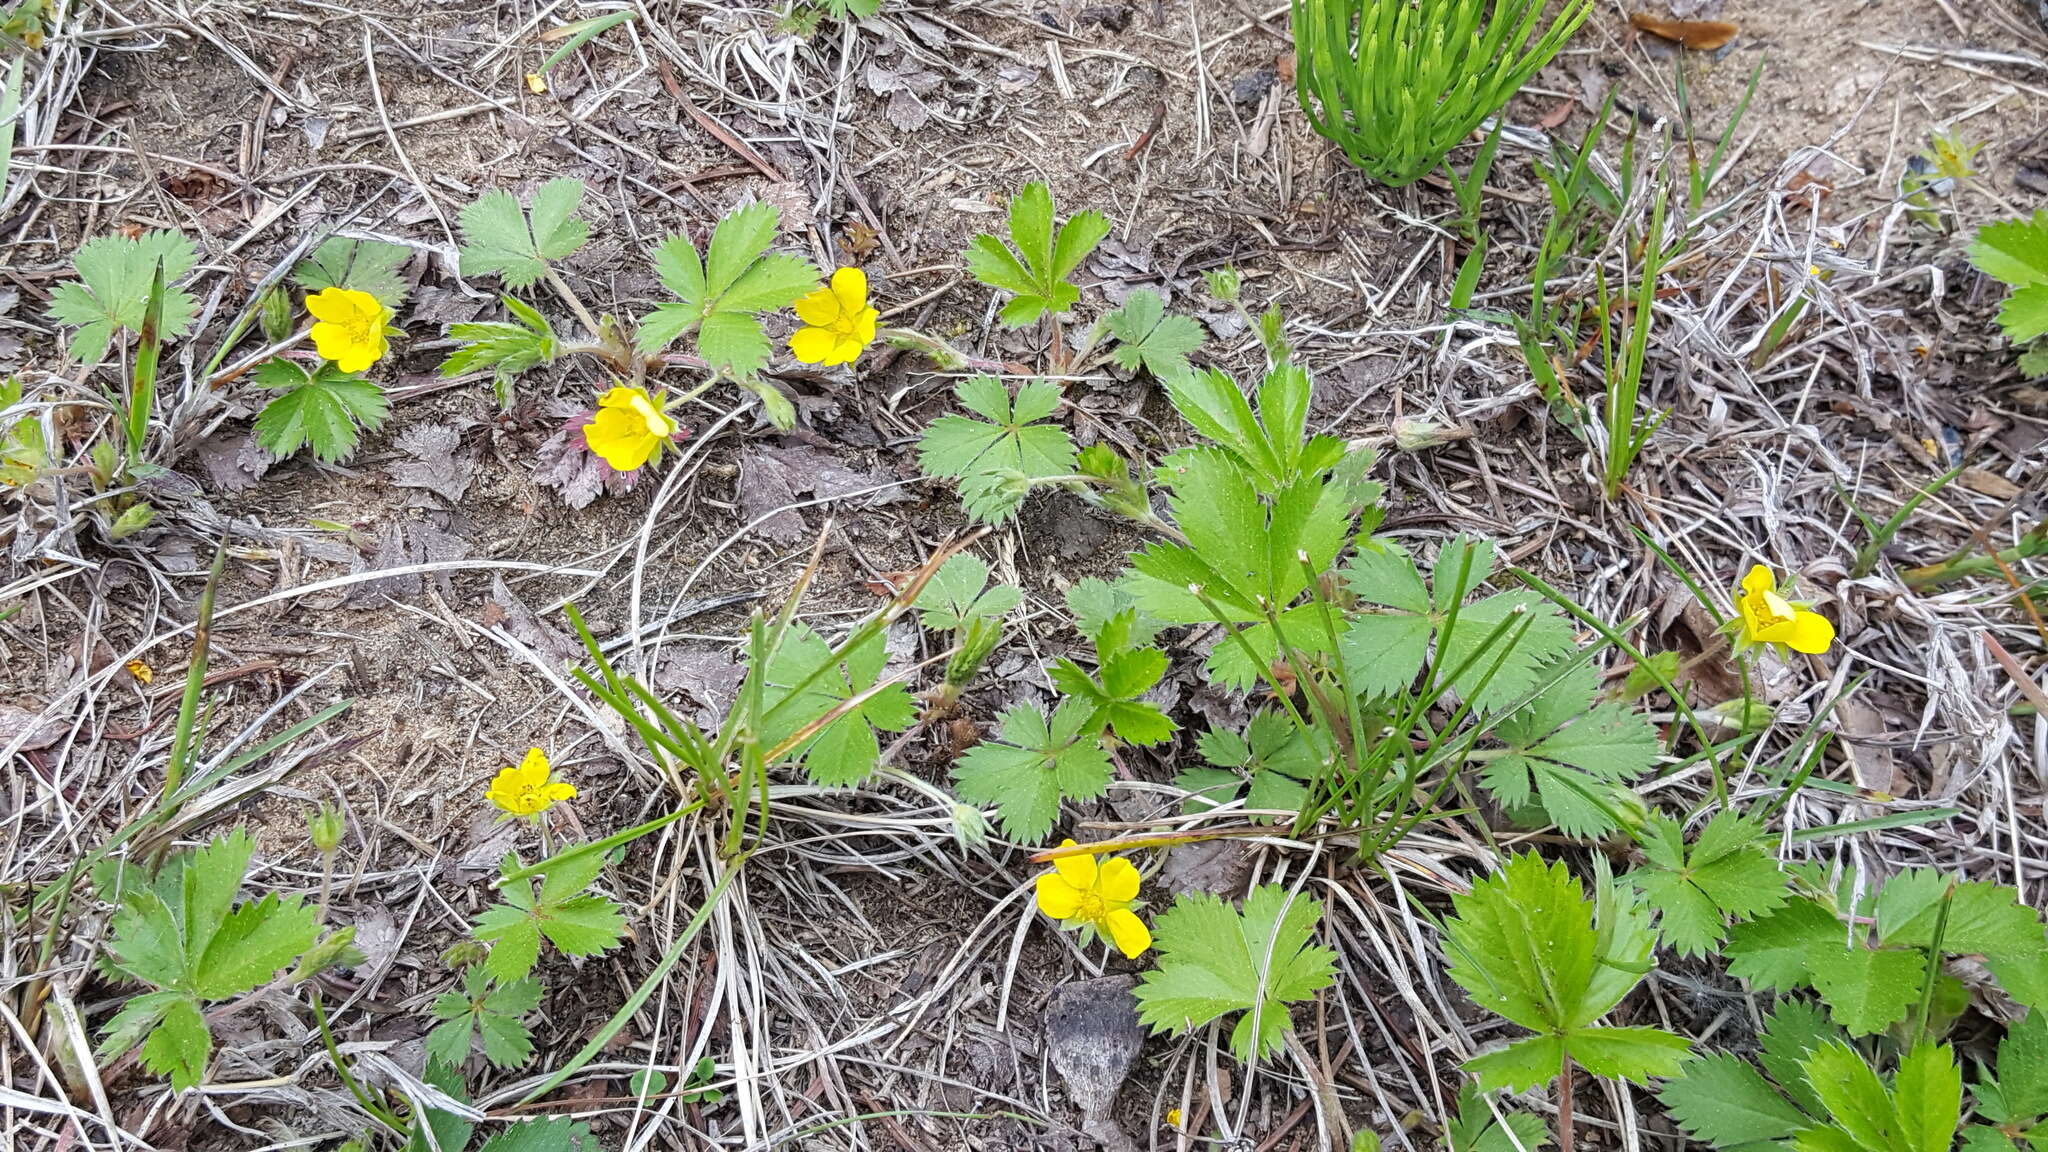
[526,790]
[1768,618]
[142,672]
[628,428]
[840,325]
[1078,892]
[349,328]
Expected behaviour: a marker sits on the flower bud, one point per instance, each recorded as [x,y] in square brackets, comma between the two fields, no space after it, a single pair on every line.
[275,313]
[1224,284]
[324,827]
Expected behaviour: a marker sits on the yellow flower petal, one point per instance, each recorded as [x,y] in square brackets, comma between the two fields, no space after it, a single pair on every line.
[337,305]
[1117,880]
[1078,869]
[556,791]
[534,767]
[1128,932]
[1057,898]
[1810,632]
[619,438]
[1759,579]
[850,285]
[864,326]
[819,309]
[813,345]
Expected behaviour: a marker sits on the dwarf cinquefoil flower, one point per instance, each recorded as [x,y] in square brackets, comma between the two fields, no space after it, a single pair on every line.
[1080,893]
[349,327]
[839,325]
[1768,618]
[527,790]
[628,428]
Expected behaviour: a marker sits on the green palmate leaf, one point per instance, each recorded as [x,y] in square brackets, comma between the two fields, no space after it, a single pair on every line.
[1983,919]
[959,592]
[563,912]
[1272,764]
[1919,1113]
[494,1013]
[1496,650]
[1476,1129]
[1272,444]
[111,294]
[1038,762]
[326,409]
[179,931]
[1721,1099]
[360,265]
[2017,1098]
[1036,271]
[1123,675]
[1527,945]
[1215,960]
[1725,875]
[844,752]
[501,239]
[1147,336]
[1571,768]
[504,350]
[720,293]
[2013,251]
[998,458]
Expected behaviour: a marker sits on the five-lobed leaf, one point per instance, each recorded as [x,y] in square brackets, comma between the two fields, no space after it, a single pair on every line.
[359,265]
[845,751]
[111,294]
[959,592]
[1725,874]
[1039,761]
[517,245]
[1723,1100]
[1036,271]
[721,291]
[1215,959]
[1148,336]
[326,409]
[1009,443]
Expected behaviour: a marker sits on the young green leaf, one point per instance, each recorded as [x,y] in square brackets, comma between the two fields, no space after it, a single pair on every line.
[1273,763]
[844,752]
[1036,272]
[1725,875]
[180,931]
[504,350]
[720,294]
[1215,960]
[1770,951]
[111,294]
[500,238]
[959,592]
[2016,1099]
[1038,762]
[1528,945]
[494,1012]
[1009,445]
[574,920]
[1095,603]
[1567,752]
[326,409]
[1148,336]
[1476,1129]
[1123,674]
[360,265]
[1919,1113]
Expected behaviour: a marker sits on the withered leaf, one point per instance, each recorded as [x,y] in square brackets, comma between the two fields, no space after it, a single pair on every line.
[1698,35]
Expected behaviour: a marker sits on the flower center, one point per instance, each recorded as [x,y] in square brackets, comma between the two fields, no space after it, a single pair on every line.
[1769,608]
[1093,907]
[658,424]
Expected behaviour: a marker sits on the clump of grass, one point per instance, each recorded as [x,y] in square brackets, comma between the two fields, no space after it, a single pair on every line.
[1397,83]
